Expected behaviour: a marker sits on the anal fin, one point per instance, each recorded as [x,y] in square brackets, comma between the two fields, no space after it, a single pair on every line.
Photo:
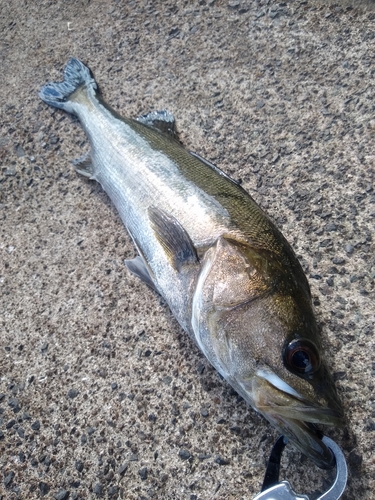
[173,238]
[138,267]
[83,166]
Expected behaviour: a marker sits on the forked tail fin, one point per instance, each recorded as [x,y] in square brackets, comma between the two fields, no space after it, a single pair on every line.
[58,94]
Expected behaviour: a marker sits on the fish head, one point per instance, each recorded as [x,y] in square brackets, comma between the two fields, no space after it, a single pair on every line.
[265,341]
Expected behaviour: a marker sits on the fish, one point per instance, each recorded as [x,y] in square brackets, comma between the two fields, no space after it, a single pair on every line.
[227,273]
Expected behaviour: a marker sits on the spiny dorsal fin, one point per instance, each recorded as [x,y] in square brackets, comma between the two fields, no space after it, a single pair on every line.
[213,166]
[173,238]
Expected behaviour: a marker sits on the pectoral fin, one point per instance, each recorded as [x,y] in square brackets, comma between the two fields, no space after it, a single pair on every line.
[173,238]
[138,267]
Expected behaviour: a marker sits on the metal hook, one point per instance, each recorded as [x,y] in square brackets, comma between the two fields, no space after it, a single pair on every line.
[274,490]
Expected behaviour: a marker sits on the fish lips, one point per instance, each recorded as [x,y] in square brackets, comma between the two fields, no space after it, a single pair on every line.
[294,416]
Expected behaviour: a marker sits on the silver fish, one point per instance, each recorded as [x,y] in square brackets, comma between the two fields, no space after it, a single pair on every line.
[229,276]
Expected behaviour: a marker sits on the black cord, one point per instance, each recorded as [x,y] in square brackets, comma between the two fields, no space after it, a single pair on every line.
[271,476]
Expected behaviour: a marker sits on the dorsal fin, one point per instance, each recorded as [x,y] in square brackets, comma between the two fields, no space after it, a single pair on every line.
[163,121]
[213,166]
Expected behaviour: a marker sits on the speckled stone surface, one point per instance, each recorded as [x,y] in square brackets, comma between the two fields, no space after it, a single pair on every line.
[101,393]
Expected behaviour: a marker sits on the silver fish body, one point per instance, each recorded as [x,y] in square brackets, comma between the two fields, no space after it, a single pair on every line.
[227,273]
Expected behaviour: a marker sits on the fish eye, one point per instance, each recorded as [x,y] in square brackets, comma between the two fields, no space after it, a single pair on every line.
[301,357]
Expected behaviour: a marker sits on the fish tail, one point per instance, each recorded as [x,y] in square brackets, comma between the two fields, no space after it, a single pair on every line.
[61,94]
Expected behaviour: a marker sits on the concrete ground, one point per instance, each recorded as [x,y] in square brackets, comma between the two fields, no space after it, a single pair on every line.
[102,395]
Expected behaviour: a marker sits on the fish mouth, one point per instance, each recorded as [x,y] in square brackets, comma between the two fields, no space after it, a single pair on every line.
[295,416]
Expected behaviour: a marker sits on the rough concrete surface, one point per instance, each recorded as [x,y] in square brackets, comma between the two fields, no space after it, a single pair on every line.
[102,395]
